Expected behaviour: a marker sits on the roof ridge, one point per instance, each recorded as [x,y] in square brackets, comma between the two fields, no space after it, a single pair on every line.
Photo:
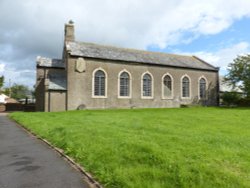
[92,50]
[132,49]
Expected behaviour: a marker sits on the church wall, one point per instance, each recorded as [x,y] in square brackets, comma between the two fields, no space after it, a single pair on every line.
[56,101]
[76,83]
[47,100]
[40,89]
[80,86]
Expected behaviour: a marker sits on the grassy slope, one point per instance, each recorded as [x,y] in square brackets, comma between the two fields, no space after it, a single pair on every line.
[194,147]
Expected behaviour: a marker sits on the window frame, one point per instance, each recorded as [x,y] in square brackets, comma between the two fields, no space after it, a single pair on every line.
[172,86]
[93,83]
[190,86]
[202,77]
[152,86]
[130,85]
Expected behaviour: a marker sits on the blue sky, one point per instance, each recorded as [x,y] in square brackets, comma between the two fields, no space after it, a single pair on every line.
[216,30]
[236,33]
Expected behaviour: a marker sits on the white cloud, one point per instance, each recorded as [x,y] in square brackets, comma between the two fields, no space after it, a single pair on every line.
[125,23]
[223,57]
[30,28]
[26,77]
[2,65]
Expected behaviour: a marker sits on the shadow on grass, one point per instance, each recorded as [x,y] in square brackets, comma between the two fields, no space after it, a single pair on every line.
[233,108]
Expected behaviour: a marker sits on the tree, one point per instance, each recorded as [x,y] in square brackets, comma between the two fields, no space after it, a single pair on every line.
[1,82]
[18,91]
[239,73]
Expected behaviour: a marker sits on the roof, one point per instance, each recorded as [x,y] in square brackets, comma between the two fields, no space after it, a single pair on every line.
[130,55]
[57,81]
[11,100]
[227,87]
[5,99]
[48,62]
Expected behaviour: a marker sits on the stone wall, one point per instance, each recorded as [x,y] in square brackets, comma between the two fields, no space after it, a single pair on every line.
[56,101]
[40,89]
[48,100]
[80,85]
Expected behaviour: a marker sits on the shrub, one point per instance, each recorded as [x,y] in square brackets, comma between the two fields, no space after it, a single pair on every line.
[244,102]
[230,98]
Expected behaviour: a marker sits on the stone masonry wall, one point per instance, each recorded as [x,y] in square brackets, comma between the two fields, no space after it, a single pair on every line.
[80,86]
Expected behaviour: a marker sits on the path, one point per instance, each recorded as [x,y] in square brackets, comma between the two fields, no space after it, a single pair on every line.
[26,162]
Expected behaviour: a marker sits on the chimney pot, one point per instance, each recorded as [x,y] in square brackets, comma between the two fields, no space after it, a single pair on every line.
[69,34]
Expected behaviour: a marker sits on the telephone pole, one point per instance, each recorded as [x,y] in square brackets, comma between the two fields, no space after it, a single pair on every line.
[10,88]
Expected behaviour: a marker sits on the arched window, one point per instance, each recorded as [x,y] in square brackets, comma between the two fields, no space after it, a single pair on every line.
[167,86]
[99,83]
[185,87]
[202,88]
[124,84]
[147,86]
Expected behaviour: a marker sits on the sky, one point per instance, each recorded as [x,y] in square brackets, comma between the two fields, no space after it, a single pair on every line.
[215,30]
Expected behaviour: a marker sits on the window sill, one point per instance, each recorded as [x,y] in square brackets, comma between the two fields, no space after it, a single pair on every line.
[99,97]
[167,98]
[147,97]
[123,97]
[186,98]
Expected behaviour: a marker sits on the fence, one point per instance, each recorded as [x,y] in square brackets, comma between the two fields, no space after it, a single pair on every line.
[10,107]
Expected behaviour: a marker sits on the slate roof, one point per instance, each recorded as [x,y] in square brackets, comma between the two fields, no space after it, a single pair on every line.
[226,87]
[130,55]
[48,62]
[57,81]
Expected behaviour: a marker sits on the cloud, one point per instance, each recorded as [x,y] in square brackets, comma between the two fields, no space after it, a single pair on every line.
[30,28]
[224,56]
[2,65]
[25,77]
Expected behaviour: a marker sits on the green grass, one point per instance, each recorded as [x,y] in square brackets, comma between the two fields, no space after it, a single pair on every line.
[151,148]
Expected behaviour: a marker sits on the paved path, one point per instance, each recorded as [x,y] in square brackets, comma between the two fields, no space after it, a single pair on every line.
[26,162]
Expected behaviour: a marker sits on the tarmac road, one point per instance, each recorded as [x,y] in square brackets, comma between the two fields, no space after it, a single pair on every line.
[26,162]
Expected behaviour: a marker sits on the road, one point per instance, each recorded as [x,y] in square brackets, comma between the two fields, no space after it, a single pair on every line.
[26,162]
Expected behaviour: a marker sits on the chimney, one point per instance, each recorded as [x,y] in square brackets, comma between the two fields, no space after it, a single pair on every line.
[69,32]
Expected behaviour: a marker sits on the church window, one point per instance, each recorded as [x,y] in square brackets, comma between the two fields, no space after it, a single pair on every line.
[202,88]
[124,85]
[147,85]
[167,86]
[99,83]
[185,87]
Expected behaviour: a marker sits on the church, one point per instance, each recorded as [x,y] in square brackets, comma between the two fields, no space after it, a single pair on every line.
[93,76]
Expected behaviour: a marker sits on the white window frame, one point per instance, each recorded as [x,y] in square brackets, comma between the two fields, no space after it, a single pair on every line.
[199,87]
[190,86]
[93,83]
[130,85]
[172,88]
[152,86]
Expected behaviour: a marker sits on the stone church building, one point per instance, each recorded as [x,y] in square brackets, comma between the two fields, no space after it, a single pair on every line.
[93,76]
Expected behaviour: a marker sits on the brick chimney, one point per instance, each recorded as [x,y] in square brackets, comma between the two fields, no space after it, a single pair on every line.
[69,32]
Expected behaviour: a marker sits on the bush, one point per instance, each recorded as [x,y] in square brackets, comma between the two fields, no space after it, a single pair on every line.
[230,98]
[244,102]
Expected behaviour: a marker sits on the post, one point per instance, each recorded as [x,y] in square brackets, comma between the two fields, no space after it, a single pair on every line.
[10,88]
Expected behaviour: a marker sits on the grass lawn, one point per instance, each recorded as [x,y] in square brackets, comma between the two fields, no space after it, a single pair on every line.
[151,148]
